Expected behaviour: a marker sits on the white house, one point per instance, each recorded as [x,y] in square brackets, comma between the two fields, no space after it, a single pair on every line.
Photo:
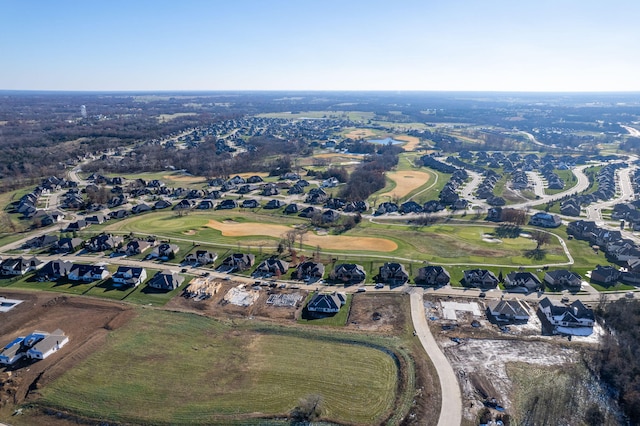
[572,319]
[48,345]
[129,276]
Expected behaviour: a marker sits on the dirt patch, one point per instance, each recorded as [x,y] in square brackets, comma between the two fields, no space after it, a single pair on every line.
[87,322]
[190,232]
[480,352]
[406,181]
[329,242]
[412,142]
[382,312]
[217,307]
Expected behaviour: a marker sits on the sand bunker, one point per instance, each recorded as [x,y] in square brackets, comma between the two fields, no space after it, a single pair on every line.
[360,134]
[490,238]
[412,142]
[406,181]
[327,242]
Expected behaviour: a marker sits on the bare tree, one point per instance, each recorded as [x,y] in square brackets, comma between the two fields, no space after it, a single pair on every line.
[541,238]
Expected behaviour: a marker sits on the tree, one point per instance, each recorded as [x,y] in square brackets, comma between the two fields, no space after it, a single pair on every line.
[541,238]
[308,409]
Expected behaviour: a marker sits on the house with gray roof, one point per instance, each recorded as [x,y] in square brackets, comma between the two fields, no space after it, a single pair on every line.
[508,310]
[326,303]
[166,280]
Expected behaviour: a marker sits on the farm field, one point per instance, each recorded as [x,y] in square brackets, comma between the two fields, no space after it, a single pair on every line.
[181,368]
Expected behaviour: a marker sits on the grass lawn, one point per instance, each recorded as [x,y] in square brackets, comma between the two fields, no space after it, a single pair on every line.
[447,242]
[174,368]
[145,295]
[338,319]
[63,285]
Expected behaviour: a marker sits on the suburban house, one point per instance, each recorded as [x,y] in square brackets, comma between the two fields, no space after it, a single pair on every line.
[348,273]
[563,278]
[508,310]
[166,280]
[582,229]
[227,204]
[164,251]
[37,345]
[104,242]
[432,275]
[77,226]
[19,265]
[574,319]
[326,303]
[96,219]
[291,209]
[134,247]
[47,345]
[68,245]
[206,205]
[161,204]
[141,208]
[272,266]
[274,204]
[480,278]
[54,269]
[41,241]
[545,220]
[129,276]
[238,262]
[201,257]
[606,275]
[87,273]
[250,204]
[309,270]
[393,273]
[522,281]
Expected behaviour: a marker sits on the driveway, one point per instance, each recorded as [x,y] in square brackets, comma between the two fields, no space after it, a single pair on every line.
[451,410]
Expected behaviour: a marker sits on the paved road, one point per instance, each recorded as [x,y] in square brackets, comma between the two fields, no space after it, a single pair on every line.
[451,409]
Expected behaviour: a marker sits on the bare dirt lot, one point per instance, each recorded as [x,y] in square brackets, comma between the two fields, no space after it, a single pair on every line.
[329,242]
[86,321]
[482,354]
[382,312]
[217,307]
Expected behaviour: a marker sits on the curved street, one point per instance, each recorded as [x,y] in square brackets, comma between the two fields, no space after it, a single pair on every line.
[451,409]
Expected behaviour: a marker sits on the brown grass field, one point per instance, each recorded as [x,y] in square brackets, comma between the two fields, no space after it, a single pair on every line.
[330,242]
[406,181]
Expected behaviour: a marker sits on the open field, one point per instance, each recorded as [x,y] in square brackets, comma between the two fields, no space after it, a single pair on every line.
[448,243]
[181,368]
[169,117]
[405,183]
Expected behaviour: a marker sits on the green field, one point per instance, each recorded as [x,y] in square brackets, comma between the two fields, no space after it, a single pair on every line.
[444,243]
[174,368]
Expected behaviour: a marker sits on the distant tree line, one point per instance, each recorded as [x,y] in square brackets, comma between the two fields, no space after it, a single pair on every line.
[369,177]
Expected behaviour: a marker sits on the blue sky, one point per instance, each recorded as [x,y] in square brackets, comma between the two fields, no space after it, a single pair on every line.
[504,45]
